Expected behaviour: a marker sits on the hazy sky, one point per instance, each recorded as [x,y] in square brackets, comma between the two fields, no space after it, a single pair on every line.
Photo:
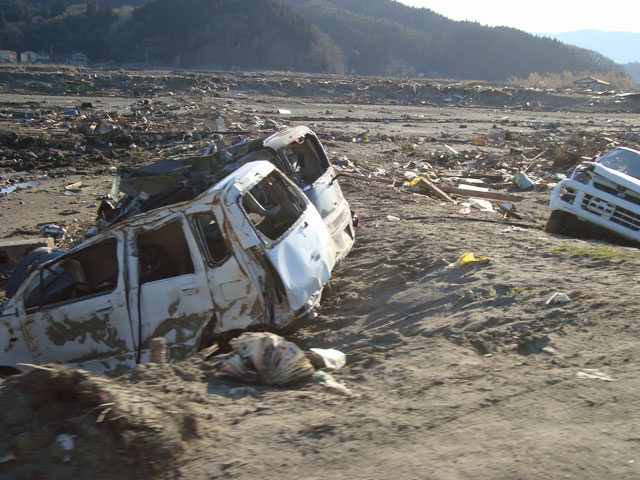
[541,16]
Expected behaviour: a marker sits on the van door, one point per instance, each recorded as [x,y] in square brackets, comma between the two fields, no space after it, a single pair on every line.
[232,283]
[173,297]
[267,209]
[74,309]
[315,176]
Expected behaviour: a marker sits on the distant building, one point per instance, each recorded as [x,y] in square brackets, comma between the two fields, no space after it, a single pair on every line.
[43,57]
[590,83]
[7,56]
[79,59]
[33,57]
[28,57]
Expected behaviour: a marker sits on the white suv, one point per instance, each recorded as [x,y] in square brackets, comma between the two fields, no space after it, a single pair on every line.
[604,193]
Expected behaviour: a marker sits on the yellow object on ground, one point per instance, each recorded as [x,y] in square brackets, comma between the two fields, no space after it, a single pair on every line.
[467,259]
[413,183]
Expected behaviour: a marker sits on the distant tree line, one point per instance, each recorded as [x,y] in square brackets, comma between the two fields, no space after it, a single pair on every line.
[27,10]
[369,37]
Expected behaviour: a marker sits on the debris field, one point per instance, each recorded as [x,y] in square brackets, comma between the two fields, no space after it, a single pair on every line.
[476,343]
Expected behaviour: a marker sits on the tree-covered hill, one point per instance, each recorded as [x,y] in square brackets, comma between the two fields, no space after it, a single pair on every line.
[252,34]
[262,34]
[370,37]
[389,36]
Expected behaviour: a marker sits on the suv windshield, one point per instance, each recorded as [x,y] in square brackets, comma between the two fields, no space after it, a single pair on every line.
[625,161]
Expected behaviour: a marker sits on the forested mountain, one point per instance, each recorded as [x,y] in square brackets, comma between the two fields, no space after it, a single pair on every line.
[383,34]
[371,37]
[258,34]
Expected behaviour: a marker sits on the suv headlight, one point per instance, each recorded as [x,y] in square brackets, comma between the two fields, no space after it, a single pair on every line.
[582,176]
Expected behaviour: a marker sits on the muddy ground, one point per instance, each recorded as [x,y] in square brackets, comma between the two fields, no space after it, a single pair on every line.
[455,373]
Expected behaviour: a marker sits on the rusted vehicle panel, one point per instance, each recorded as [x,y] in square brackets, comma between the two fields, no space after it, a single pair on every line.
[295,151]
[250,251]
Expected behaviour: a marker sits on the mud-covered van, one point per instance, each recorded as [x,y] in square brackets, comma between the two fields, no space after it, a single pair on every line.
[250,251]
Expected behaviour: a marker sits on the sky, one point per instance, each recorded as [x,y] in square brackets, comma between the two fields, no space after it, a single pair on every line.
[541,16]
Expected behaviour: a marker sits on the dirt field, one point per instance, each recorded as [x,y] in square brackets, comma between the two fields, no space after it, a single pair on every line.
[455,373]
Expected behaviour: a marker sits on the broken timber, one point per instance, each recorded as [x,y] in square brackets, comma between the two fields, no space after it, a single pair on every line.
[437,191]
[477,194]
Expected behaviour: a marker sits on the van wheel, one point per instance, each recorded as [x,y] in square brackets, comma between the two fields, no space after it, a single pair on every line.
[563,223]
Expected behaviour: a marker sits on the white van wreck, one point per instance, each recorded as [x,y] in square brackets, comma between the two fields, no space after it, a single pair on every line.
[600,194]
[295,151]
[251,251]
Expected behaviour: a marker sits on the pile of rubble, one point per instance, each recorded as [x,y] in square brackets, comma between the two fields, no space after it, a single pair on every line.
[58,422]
[56,141]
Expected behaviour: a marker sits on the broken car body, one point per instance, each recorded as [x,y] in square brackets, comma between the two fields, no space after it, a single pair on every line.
[295,151]
[250,251]
[604,193]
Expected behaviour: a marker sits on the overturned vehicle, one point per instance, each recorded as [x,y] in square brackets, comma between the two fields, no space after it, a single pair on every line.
[295,151]
[603,194]
[251,251]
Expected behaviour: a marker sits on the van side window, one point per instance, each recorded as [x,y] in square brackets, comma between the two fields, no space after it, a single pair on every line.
[163,253]
[209,231]
[87,272]
[273,206]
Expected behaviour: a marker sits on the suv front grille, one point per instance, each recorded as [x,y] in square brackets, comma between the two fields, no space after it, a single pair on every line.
[616,214]
[613,191]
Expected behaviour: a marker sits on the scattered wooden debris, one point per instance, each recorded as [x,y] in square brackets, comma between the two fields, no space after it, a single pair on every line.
[426,184]
[465,192]
[73,186]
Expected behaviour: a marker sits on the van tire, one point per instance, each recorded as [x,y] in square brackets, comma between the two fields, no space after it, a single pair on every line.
[563,223]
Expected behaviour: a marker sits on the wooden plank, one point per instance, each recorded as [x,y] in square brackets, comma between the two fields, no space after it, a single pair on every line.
[73,186]
[473,193]
[509,213]
[494,177]
[431,188]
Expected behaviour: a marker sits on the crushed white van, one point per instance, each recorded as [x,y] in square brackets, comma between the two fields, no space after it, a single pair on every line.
[295,151]
[251,251]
